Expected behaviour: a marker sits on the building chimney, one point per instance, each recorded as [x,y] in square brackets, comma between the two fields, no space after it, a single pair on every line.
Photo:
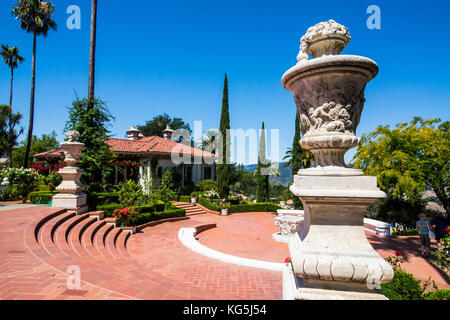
[134,134]
[167,133]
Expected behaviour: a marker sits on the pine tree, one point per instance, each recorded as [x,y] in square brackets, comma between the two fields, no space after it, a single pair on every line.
[224,171]
[262,178]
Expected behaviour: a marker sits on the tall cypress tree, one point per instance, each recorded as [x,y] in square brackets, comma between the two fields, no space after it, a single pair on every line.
[301,158]
[224,166]
[262,178]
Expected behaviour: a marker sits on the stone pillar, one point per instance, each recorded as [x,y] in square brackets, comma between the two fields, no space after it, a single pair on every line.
[330,253]
[70,190]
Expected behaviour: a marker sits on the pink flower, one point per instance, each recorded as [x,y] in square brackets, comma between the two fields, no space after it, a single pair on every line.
[287,260]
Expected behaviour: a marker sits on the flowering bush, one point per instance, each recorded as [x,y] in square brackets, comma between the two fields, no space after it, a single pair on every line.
[211,194]
[125,215]
[43,167]
[396,260]
[17,183]
[224,204]
[441,257]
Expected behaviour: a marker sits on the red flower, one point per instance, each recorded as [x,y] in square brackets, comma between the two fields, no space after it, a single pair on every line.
[287,260]
[398,253]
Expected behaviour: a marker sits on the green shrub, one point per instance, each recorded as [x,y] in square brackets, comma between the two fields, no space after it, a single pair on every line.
[244,207]
[187,189]
[196,194]
[39,197]
[411,232]
[42,188]
[184,198]
[255,207]
[17,183]
[208,204]
[109,208]
[171,178]
[130,194]
[206,185]
[441,294]
[153,216]
[403,287]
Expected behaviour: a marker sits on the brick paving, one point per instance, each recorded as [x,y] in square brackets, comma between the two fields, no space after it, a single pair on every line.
[152,264]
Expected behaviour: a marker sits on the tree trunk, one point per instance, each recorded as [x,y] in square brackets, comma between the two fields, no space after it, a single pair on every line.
[92,49]
[10,120]
[30,125]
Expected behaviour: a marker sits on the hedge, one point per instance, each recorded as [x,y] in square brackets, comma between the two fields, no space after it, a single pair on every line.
[412,232]
[208,204]
[100,199]
[146,208]
[441,294]
[184,199]
[153,216]
[255,207]
[41,197]
[244,207]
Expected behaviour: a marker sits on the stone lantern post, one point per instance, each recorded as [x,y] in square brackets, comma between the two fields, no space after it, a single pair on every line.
[331,256]
[71,194]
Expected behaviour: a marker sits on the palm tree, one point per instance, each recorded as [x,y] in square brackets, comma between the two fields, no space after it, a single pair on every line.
[208,140]
[12,60]
[307,158]
[35,17]
[92,49]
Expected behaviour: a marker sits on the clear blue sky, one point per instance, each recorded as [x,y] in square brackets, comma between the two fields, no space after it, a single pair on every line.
[171,56]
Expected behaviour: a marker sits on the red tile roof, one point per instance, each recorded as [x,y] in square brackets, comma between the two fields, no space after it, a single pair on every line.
[156,145]
[50,155]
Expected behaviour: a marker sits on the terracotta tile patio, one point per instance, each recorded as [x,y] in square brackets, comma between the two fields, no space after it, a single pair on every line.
[152,264]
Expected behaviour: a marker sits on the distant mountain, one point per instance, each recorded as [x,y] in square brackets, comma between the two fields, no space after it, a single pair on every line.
[285,173]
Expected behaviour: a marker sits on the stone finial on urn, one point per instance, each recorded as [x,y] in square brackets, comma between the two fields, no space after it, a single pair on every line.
[325,38]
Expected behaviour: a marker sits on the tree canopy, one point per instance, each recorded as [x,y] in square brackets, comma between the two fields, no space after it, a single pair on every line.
[41,144]
[91,118]
[156,126]
[409,159]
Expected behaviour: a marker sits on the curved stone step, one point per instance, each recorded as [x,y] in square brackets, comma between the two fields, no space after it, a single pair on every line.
[110,243]
[121,244]
[48,230]
[76,234]
[100,238]
[87,239]
[61,235]
[44,220]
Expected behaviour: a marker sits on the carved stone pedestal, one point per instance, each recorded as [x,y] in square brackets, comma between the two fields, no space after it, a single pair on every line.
[331,256]
[70,190]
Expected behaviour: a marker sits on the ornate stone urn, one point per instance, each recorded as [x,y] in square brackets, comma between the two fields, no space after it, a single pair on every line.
[71,194]
[330,253]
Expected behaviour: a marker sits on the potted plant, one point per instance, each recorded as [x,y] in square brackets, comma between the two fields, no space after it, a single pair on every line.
[124,216]
[194,196]
[225,207]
